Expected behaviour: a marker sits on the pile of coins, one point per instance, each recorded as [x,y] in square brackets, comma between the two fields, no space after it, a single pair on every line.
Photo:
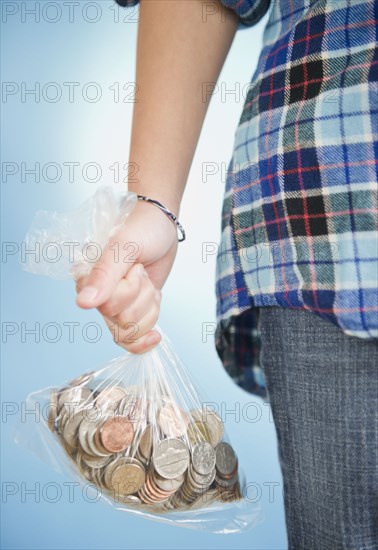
[144,452]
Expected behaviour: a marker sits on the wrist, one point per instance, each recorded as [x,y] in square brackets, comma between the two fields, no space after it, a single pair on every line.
[156,217]
[165,197]
[157,204]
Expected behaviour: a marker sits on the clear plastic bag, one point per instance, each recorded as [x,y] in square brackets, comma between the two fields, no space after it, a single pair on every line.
[136,430]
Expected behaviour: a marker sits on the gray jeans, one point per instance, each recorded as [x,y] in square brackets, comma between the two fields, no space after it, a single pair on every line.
[323,389]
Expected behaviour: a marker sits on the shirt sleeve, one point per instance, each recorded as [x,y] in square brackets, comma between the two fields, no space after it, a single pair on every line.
[249,11]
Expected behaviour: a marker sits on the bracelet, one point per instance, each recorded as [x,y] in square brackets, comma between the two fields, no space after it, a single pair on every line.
[167,213]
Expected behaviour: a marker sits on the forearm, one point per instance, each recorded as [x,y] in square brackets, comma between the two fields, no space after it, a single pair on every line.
[180,47]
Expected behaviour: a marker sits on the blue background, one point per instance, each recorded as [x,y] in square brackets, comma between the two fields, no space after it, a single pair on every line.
[97,43]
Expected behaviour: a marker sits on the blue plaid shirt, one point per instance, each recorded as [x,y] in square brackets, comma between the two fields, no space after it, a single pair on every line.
[299,221]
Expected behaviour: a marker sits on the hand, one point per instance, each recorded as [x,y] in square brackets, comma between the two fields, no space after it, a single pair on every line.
[125,284]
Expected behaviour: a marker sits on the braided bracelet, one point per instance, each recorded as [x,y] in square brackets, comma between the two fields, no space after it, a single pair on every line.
[167,213]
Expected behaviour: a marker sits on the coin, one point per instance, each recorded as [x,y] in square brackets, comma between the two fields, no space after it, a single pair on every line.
[95,442]
[145,443]
[53,409]
[117,434]
[127,479]
[110,397]
[71,399]
[169,484]
[153,492]
[226,459]
[113,464]
[71,428]
[63,417]
[198,431]
[170,458]
[133,407]
[94,462]
[226,483]
[82,434]
[204,479]
[213,424]
[82,379]
[205,499]
[93,435]
[159,471]
[203,458]
[172,420]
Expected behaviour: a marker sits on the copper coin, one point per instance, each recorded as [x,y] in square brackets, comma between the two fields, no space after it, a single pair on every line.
[151,493]
[156,488]
[117,433]
[144,497]
[154,494]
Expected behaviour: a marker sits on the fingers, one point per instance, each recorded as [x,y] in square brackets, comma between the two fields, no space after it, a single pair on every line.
[126,292]
[138,337]
[132,310]
[104,277]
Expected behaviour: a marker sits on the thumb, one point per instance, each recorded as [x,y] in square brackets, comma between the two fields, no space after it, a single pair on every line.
[103,278]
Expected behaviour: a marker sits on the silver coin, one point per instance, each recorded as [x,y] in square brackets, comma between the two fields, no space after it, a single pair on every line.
[93,442]
[95,462]
[83,433]
[212,422]
[71,399]
[82,379]
[71,428]
[140,457]
[132,500]
[169,484]
[62,420]
[172,420]
[192,486]
[206,479]
[53,409]
[110,397]
[134,408]
[205,499]
[145,443]
[203,458]
[199,482]
[226,459]
[170,458]
[87,422]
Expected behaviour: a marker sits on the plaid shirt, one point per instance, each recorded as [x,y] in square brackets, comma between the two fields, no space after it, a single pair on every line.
[299,214]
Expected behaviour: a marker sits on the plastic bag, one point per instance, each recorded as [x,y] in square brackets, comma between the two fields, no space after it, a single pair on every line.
[137,429]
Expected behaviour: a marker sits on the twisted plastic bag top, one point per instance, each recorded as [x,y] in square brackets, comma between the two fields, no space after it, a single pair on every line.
[68,244]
